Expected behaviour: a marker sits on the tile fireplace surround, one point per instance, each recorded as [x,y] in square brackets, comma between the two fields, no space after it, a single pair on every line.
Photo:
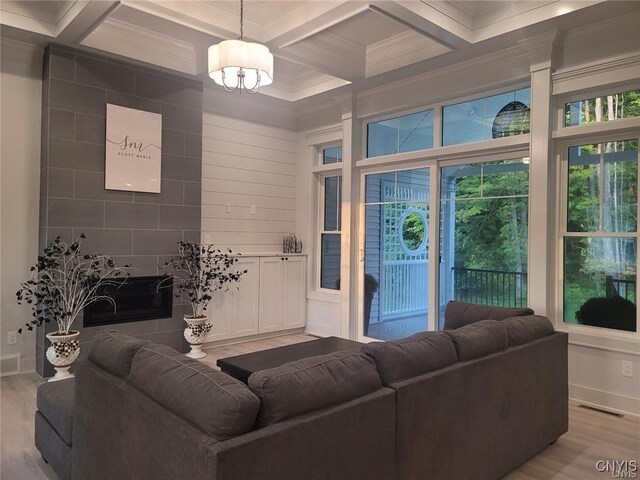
[140,229]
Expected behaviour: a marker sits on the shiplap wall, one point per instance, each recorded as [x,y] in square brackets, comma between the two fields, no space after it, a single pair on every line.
[246,164]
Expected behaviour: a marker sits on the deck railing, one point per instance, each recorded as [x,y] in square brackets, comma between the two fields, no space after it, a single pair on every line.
[618,286]
[404,287]
[490,287]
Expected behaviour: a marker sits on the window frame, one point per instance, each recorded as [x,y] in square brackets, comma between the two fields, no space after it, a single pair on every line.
[600,91]
[398,115]
[319,172]
[320,231]
[562,156]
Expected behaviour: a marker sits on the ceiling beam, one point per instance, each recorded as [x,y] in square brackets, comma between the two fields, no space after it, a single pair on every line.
[428,21]
[75,26]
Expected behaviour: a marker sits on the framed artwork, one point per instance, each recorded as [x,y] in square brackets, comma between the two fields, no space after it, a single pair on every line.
[133,150]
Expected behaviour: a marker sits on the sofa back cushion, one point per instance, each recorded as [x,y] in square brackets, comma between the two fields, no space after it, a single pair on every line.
[526,329]
[218,404]
[479,339]
[312,383]
[113,351]
[459,314]
[412,356]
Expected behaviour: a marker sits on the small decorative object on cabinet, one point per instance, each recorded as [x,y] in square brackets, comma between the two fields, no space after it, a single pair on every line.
[62,283]
[198,272]
[291,244]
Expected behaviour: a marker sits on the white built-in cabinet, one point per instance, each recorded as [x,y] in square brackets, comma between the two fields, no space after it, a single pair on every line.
[270,297]
[282,287]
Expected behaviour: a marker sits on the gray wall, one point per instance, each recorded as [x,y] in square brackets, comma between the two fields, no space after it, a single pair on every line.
[140,229]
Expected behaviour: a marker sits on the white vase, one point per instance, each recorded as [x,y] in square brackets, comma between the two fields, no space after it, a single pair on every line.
[64,350]
[196,333]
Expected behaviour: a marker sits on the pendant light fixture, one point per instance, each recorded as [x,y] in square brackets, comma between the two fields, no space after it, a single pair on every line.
[240,65]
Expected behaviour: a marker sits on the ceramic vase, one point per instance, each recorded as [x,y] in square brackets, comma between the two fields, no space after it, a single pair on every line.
[64,350]
[195,334]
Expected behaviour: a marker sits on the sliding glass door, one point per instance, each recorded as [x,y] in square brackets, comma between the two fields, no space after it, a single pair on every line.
[396,253]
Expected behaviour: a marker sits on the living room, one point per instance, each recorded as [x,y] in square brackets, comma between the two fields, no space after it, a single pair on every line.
[498,138]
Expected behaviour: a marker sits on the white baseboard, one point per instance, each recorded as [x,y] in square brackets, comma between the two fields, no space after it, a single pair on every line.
[9,365]
[249,338]
[15,365]
[606,400]
[321,330]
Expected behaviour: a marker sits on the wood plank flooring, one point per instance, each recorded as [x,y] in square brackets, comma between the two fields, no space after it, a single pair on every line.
[592,435]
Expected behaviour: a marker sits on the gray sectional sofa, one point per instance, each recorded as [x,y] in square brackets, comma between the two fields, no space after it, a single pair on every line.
[471,402]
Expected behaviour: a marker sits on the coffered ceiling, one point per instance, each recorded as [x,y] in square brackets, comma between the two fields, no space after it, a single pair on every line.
[319,45]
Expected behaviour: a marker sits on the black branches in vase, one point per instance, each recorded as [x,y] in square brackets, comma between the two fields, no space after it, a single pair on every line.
[64,281]
[200,270]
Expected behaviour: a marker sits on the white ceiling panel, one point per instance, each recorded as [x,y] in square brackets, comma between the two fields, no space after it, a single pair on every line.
[43,11]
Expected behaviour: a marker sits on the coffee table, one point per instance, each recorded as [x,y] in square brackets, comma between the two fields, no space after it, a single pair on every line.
[242,366]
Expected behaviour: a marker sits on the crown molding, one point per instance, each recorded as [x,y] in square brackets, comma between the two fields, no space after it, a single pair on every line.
[582,77]
[540,49]
[125,39]
[491,71]
[332,133]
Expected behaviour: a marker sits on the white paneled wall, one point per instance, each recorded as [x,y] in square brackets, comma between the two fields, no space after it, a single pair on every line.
[247,164]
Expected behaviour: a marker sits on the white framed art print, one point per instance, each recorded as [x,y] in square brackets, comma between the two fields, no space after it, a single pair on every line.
[133,150]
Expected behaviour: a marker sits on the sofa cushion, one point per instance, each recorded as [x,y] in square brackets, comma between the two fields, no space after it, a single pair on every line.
[479,339]
[55,402]
[412,356]
[113,351]
[526,329]
[312,383]
[459,314]
[218,404]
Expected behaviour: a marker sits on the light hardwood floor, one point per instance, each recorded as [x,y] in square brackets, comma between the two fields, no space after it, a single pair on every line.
[592,435]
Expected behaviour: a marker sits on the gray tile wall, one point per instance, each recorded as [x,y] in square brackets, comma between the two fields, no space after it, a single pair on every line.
[140,229]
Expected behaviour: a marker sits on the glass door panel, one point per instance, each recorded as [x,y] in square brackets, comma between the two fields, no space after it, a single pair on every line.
[484,234]
[396,253]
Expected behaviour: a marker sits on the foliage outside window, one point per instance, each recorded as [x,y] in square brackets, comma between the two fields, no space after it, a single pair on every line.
[414,235]
[407,133]
[331,224]
[331,155]
[484,233]
[486,118]
[600,243]
[602,109]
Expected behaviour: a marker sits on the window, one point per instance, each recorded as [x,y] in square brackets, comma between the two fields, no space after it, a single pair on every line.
[485,118]
[484,233]
[330,232]
[601,235]
[602,109]
[331,155]
[401,134]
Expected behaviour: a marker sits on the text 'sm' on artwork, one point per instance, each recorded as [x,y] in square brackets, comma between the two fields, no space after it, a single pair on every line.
[133,150]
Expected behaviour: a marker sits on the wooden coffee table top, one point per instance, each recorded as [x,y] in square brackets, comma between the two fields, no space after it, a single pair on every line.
[242,366]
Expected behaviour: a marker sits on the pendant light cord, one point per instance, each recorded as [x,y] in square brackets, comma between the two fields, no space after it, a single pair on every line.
[241,18]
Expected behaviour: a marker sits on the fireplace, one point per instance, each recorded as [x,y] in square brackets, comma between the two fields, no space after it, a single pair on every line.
[137,298]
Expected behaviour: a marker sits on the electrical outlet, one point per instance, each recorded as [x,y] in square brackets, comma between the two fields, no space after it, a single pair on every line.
[227,208]
[207,238]
[627,368]
[12,338]
[253,209]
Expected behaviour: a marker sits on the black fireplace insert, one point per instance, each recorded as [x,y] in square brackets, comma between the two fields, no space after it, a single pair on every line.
[137,298]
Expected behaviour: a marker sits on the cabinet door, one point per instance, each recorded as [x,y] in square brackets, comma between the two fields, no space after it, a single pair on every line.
[270,298]
[294,292]
[219,315]
[244,298]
